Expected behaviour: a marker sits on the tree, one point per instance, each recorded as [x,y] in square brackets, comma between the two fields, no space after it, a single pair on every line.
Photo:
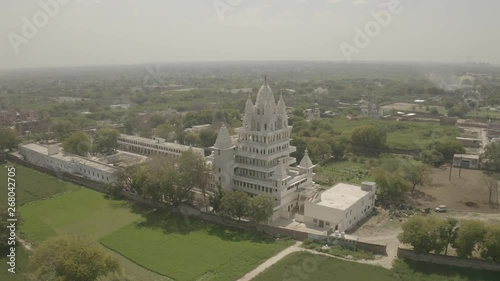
[63,129]
[415,173]
[434,111]
[105,140]
[71,259]
[391,185]
[192,138]
[77,143]
[490,246]
[470,234]
[492,155]
[215,200]
[368,137]
[8,139]
[235,204]
[207,138]
[171,180]
[156,119]
[491,184]
[260,207]
[425,234]
[319,148]
[449,147]
[431,157]
[167,132]
[451,232]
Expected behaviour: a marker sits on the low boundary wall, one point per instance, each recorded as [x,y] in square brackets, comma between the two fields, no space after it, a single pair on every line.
[447,260]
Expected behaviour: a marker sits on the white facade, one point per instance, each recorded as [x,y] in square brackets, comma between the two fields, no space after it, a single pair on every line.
[50,157]
[370,109]
[259,161]
[340,207]
[156,146]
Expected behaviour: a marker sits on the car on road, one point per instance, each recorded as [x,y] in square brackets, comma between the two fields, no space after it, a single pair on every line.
[441,209]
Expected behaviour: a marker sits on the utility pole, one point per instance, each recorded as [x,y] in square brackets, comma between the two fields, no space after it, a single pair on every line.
[451,168]
[460,167]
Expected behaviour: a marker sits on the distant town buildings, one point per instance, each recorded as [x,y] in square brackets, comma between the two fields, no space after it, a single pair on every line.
[370,109]
[312,114]
[9,117]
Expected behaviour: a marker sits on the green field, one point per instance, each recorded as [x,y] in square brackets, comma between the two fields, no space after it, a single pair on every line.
[307,266]
[32,185]
[83,212]
[400,134]
[191,250]
[140,238]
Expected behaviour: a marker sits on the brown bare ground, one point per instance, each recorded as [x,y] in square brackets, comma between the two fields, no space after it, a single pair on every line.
[466,192]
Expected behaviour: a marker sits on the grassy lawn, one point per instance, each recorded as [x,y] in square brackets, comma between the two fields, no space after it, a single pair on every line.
[21,266]
[191,250]
[32,185]
[307,266]
[400,134]
[83,212]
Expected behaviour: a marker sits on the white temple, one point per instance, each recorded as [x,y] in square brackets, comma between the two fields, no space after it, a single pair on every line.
[258,159]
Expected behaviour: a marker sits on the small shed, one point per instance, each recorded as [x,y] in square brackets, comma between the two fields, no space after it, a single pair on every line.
[467,161]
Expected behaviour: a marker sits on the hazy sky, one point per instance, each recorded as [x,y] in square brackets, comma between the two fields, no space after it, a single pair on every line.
[93,32]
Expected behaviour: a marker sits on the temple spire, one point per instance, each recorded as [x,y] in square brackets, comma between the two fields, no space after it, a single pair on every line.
[223,140]
[306,161]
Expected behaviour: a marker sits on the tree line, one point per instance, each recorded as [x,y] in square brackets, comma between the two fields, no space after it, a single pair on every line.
[469,238]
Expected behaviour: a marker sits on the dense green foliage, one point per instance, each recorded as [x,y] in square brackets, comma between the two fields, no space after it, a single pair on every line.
[165,179]
[260,207]
[105,140]
[77,143]
[368,138]
[470,238]
[492,154]
[67,258]
[8,139]
[425,234]
[470,234]
[391,186]
[234,204]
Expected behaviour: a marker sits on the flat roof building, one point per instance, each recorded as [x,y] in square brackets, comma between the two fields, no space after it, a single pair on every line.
[155,146]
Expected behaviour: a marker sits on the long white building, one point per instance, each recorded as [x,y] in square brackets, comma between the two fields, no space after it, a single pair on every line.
[52,158]
[156,146]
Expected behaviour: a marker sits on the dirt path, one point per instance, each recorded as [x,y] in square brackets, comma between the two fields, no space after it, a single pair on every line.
[271,261]
[25,243]
[386,261]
